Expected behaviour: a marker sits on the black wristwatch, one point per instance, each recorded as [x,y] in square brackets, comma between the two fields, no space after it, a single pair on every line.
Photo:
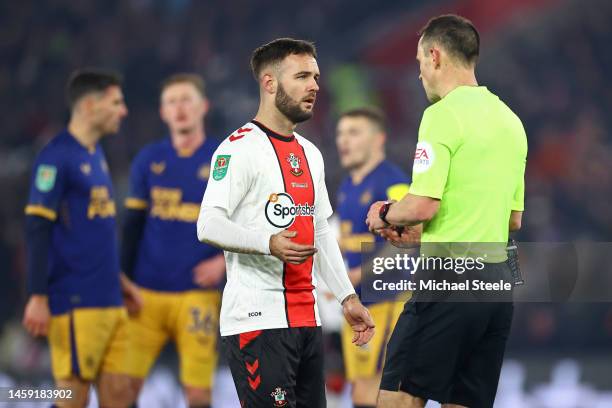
[382,213]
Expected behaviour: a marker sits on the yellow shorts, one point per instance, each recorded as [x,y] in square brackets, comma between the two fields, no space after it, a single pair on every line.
[87,341]
[190,319]
[367,361]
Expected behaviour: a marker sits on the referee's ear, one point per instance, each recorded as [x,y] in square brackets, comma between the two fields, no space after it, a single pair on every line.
[436,57]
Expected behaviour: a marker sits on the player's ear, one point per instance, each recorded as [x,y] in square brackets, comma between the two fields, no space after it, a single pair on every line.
[86,104]
[205,105]
[162,112]
[383,137]
[268,83]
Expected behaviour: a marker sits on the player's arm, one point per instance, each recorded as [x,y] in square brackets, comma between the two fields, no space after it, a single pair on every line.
[46,190]
[229,183]
[131,236]
[216,228]
[137,205]
[38,242]
[133,228]
[333,272]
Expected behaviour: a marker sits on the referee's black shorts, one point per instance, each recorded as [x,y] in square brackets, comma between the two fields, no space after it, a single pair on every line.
[450,349]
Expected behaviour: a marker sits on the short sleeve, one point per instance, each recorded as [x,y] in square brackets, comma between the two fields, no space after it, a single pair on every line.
[48,183]
[439,135]
[138,196]
[230,178]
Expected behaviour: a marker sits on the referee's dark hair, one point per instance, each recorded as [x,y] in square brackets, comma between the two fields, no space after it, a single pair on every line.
[456,34]
[372,114]
[85,81]
[277,50]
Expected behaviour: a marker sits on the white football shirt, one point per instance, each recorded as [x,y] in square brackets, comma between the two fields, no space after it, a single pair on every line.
[268,182]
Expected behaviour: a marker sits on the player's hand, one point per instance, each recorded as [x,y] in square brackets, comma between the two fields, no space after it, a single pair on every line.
[288,251]
[358,317]
[210,271]
[403,237]
[131,295]
[373,221]
[37,317]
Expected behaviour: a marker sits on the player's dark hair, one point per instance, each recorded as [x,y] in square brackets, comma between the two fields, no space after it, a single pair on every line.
[373,114]
[277,50]
[456,34]
[185,77]
[89,80]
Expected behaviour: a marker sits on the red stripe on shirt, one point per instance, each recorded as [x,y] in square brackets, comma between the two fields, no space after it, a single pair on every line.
[297,279]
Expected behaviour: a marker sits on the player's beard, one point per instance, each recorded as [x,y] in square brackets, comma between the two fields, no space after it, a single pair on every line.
[289,107]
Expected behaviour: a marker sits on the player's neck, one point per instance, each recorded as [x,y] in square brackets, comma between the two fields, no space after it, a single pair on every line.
[361,172]
[188,142]
[275,121]
[83,133]
[458,77]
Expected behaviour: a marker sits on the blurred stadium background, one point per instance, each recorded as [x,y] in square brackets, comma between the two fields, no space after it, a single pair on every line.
[550,60]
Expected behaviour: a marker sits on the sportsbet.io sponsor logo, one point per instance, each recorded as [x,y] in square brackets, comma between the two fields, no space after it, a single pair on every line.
[281,210]
[423,157]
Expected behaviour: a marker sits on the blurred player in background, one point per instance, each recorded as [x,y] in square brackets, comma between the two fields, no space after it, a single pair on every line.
[179,277]
[267,206]
[73,263]
[360,139]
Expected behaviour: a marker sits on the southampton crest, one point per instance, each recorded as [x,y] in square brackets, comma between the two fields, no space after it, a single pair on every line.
[294,161]
[279,397]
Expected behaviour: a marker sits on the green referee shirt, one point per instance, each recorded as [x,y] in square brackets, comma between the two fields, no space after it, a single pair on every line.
[471,155]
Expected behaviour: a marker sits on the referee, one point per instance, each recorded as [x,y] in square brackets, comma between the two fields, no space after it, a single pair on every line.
[468,187]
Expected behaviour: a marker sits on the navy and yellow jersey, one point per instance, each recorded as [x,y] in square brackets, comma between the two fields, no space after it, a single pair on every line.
[71,186]
[385,182]
[169,185]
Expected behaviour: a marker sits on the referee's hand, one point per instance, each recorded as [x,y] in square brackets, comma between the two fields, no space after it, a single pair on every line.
[358,317]
[403,237]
